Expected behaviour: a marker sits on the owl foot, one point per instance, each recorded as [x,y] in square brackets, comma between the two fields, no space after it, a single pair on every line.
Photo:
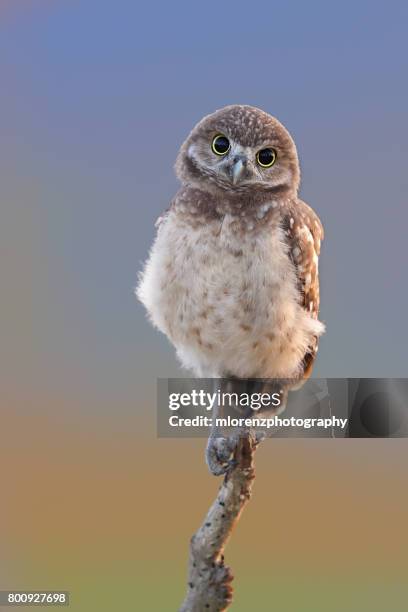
[219,454]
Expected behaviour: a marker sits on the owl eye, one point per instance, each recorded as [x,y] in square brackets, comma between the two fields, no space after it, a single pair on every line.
[220,144]
[266,157]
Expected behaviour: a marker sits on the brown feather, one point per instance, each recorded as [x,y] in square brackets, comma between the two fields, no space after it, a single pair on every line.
[304,232]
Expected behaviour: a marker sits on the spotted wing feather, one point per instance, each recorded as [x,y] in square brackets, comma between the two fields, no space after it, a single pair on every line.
[304,233]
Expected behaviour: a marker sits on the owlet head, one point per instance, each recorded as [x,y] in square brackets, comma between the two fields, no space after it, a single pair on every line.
[239,148]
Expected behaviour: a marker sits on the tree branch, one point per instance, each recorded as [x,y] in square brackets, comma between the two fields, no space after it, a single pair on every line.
[209,580]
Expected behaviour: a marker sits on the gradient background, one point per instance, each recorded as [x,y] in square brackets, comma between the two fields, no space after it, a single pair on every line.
[96,97]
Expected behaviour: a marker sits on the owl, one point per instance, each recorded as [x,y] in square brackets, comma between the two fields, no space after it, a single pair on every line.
[232,276]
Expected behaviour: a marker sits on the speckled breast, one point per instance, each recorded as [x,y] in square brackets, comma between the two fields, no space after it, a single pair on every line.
[224,293]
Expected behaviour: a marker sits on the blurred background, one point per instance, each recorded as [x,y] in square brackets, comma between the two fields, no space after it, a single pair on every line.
[96,97]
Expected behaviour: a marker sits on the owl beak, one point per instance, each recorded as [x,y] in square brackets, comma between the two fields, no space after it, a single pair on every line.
[237,169]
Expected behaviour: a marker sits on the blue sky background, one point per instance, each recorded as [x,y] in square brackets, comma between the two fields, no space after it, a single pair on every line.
[96,99]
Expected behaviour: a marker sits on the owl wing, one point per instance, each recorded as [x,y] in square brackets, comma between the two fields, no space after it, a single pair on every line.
[304,233]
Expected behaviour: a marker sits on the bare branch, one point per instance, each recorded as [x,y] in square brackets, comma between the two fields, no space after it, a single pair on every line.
[209,580]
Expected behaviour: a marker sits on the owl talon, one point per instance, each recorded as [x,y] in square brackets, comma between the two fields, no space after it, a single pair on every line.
[232,463]
[218,454]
